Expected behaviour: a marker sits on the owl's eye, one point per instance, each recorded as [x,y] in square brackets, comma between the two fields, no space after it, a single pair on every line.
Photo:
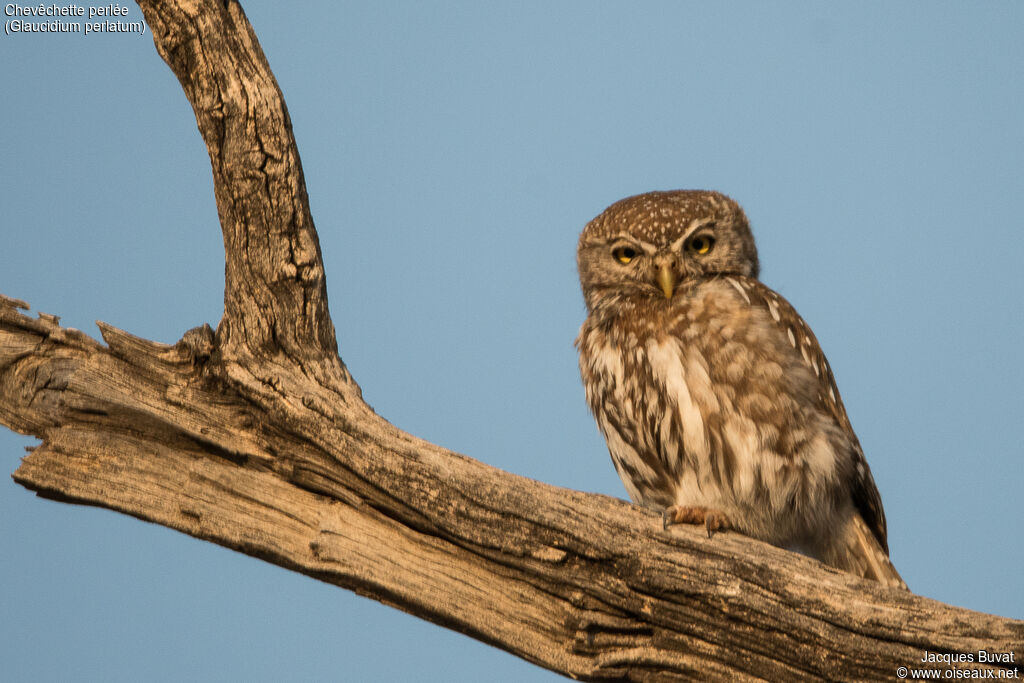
[701,244]
[624,254]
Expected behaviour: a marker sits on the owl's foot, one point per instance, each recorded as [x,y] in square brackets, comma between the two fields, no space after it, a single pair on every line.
[689,514]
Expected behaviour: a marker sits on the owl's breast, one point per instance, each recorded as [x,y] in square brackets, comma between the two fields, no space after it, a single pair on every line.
[704,401]
[649,395]
[632,418]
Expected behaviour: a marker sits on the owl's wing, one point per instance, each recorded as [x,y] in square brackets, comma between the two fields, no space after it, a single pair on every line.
[864,492]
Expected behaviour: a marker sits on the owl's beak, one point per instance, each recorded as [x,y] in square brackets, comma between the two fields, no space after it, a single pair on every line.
[667,279]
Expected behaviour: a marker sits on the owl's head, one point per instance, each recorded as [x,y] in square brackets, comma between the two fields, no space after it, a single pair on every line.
[658,243]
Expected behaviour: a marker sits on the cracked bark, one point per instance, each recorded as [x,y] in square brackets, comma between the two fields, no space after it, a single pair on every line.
[255,436]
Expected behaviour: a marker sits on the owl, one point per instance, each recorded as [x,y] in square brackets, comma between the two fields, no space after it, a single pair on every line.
[713,395]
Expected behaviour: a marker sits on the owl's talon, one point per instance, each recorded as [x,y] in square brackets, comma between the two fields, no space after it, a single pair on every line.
[716,521]
[691,514]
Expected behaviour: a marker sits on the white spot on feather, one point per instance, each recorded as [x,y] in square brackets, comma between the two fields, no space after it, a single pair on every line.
[742,437]
[666,360]
[690,492]
[820,459]
[608,362]
[740,289]
[669,443]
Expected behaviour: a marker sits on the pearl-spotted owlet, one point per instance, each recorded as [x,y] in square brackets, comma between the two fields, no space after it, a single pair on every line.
[716,402]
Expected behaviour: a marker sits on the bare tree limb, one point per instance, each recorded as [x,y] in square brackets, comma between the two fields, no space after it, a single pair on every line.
[256,437]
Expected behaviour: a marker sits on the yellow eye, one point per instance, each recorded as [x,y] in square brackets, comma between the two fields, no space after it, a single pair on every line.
[702,244]
[624,254]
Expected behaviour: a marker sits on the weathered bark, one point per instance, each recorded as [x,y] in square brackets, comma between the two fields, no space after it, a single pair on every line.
[256,437]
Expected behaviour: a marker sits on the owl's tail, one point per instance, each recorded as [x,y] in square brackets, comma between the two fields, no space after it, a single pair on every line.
[857,551]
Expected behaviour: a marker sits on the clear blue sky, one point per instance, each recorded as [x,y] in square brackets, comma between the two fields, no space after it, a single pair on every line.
[452,152]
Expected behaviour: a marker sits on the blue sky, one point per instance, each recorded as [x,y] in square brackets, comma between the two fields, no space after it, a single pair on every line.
[452,153]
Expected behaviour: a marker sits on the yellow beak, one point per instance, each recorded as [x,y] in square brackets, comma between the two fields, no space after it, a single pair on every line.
[667,280]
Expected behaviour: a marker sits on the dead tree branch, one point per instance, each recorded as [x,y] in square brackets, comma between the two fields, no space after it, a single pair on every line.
[256,437]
